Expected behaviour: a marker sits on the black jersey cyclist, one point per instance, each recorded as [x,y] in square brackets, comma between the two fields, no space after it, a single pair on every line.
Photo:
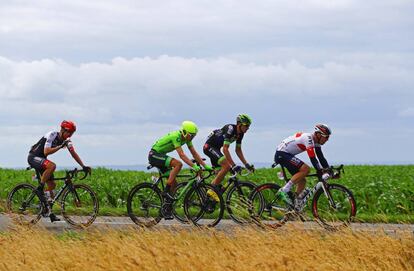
[221,139]
[50,143]
[173,141]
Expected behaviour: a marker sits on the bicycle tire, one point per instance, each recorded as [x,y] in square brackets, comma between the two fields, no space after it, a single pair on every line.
[202,210]
[20,211]
[238,203]
[344,211]
[142,197]
[82,213]
[267,209]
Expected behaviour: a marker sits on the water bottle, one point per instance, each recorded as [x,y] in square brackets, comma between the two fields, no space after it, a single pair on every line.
[154,178]
[304,193]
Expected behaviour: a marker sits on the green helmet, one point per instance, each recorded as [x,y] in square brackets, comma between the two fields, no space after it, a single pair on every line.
[189,127]
[244,119]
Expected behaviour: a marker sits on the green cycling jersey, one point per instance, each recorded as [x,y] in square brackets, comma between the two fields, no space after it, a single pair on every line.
[170,142]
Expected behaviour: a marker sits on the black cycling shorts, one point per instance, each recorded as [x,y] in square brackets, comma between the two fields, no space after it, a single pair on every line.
[37,162]
[289,161]
[214,154]
[159,160]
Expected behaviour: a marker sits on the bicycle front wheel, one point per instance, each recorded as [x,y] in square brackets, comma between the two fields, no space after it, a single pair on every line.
[79,205]
[336,208]
[144,204]
[238,203]
[267,208]
[24,205]
[204,205]
[178,205]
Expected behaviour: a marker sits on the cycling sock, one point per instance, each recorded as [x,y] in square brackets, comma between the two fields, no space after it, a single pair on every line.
[287,187]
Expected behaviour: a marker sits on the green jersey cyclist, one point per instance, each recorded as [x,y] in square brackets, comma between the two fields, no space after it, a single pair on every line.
[158,157]
[221,139]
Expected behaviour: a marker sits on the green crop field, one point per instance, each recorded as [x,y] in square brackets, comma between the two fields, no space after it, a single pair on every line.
[383,193]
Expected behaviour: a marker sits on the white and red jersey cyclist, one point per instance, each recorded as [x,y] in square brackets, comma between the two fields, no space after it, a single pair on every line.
[293,145]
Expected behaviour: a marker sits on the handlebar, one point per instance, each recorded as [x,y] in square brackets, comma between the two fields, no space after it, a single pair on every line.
[247,173]
[72,174]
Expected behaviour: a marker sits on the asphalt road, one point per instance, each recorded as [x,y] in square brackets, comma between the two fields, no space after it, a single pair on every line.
[114,223]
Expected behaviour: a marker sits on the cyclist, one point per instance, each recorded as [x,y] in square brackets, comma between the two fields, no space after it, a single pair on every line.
[222,138]
[52,142]
[158,157]
[298,143]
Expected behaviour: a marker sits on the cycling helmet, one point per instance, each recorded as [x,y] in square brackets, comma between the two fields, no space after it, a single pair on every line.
[189,127]
[244,119]
[68,125]
[323,129]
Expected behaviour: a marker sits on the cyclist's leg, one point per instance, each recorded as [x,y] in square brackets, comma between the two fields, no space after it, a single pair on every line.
[297,168]
[217,160]
[165,163]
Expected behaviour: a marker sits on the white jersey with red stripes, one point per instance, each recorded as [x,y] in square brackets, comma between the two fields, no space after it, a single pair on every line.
[299,143]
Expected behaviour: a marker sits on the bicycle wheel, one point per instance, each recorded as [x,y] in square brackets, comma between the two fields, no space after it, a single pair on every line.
[203,210]
[144,204]
[24,205]
[267,208]
[79,205]
[178,205]
[336,213]
[238,203]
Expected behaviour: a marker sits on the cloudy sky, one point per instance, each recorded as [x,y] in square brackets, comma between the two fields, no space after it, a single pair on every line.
[127,72]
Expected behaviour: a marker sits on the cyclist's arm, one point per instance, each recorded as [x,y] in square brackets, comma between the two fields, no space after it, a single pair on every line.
[226,153]
[48,148]
[51,150]
[312,157]
[184,157]
[196,156]
[240,154]
[321,157]
[76,156]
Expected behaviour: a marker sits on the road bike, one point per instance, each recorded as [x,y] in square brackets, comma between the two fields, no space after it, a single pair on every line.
[78,202]
[333,205]
[146,203]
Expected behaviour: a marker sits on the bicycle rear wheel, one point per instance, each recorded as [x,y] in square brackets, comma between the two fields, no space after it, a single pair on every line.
[24,205]
[144,204]
[202,209]
[238,203]
[267,208]
[338,210]
[79,205]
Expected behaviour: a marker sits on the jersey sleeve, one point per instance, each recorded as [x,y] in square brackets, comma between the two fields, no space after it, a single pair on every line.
[176,140]
[227,134]
[50,137]
[190,143]
[310,149]
[321,157]
[239,140]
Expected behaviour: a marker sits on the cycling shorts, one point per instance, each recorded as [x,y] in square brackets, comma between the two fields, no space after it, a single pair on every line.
[214,154]
[159,160]
[289,161]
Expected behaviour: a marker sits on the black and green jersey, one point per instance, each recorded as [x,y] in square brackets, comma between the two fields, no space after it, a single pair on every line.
[170,142]
[225,136]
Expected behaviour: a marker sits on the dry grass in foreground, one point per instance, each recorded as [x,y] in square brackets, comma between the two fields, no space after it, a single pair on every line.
[204,250]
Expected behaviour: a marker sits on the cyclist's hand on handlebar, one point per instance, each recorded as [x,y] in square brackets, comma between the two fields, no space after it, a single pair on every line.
[236,169]
[326,176]
[87,169]
[196,168]
[208,167]
[250,167]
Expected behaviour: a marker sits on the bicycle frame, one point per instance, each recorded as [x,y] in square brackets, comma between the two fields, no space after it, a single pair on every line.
[320,184]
